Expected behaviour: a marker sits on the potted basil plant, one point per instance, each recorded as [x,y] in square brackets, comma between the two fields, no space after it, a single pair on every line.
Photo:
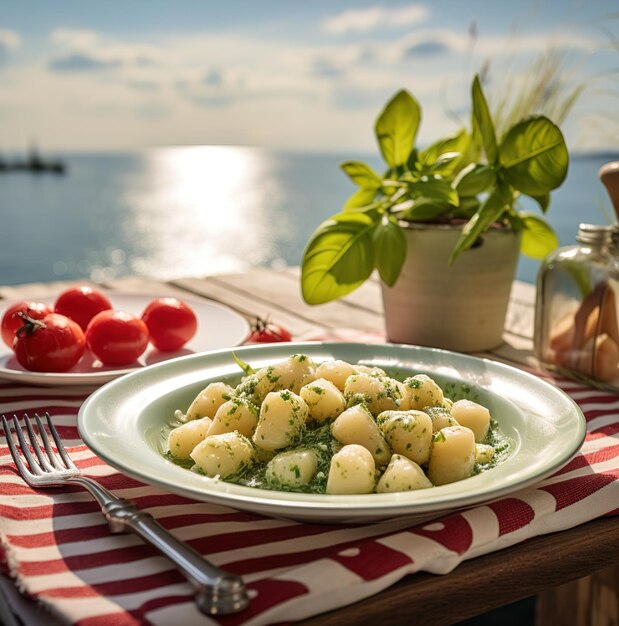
[443,226]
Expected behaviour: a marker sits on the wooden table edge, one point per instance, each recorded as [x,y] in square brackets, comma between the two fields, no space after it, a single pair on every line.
[506,576]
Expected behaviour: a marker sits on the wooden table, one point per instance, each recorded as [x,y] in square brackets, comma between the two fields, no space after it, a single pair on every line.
[575,573]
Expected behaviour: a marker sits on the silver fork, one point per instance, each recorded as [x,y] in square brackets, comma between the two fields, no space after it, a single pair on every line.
[217,592]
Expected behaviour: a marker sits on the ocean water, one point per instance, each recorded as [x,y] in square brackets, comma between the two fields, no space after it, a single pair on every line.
[174,212]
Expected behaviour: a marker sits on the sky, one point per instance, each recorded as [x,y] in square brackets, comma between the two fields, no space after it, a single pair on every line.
[307,76]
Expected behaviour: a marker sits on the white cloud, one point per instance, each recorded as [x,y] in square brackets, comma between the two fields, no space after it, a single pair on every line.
[425,44]
[75,62]
[228,87]
[372,18]
[86,50]
[9,41]
[534,42]
[75,39]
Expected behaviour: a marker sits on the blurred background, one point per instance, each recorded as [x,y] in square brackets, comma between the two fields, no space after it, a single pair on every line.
[189,138]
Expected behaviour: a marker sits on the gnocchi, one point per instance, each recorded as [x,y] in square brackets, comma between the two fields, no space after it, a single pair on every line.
[223,455]
[352,470]
[293,468]
[336,428]
[402,474]
[209,400]
[356,425]
[324,400]
[336,371]
[421,391]
[236,414]
[290,374]
[282,415]
[185,438]
[452,456]
[409,433]
[472,415]
[379,393]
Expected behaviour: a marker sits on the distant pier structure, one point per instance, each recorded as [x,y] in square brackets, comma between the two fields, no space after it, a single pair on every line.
[33,162]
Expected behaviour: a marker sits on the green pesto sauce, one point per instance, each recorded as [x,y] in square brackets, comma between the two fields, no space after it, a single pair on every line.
[325,446]
[502,448]
[460,391]
[319,439]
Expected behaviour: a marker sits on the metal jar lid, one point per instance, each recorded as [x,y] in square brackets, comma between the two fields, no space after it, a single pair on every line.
[597,235]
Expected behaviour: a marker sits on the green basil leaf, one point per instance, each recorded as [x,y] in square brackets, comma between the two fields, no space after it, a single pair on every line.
[436,189]
[474,179]
[538,238]
[476,148]
[483,122]
[396,128]
[444,162]
[488,213]
[391,186]
[543,200]
[362,174]
[457,143]
[412,163]
[339,256]
[420,209]
[534,156]
[361,199]
[390,246]
[468,206]
[515,221]
[246,367]
[472,151]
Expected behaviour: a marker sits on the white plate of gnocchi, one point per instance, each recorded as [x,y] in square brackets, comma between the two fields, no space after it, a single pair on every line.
[334,432]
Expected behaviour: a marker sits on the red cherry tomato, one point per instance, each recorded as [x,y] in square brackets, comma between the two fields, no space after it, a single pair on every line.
[81,304]
[264,331]
[12,322]
[171,323]
[116,337]
[52,344]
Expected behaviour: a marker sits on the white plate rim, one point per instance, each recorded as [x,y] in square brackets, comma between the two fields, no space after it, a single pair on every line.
[318,506]
[108,374]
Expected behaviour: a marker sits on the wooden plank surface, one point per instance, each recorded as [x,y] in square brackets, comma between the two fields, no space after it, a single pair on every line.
[282,290]
[217,288]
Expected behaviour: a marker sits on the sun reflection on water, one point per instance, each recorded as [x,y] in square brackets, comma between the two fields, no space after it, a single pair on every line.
[200,210]
[187,211]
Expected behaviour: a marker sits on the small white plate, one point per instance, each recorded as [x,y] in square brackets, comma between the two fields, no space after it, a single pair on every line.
[122,423]
[218,327]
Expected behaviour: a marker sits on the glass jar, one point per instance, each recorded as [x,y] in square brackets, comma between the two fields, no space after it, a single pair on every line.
[576,323]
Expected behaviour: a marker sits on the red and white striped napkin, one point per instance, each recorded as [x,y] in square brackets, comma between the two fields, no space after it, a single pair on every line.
[57,548]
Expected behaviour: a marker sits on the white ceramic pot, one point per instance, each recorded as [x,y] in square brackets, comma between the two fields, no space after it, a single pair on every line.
[461,307]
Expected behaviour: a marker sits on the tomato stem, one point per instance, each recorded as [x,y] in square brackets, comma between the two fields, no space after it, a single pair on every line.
[30,324]
[261,324]
[262,327]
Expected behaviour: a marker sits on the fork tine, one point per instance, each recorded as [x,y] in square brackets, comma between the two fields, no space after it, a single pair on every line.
[59,445]
[25,450]
[23,470]
[53,457]
[36,446]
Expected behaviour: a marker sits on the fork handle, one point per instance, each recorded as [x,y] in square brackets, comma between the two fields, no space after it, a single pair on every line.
[217,592]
